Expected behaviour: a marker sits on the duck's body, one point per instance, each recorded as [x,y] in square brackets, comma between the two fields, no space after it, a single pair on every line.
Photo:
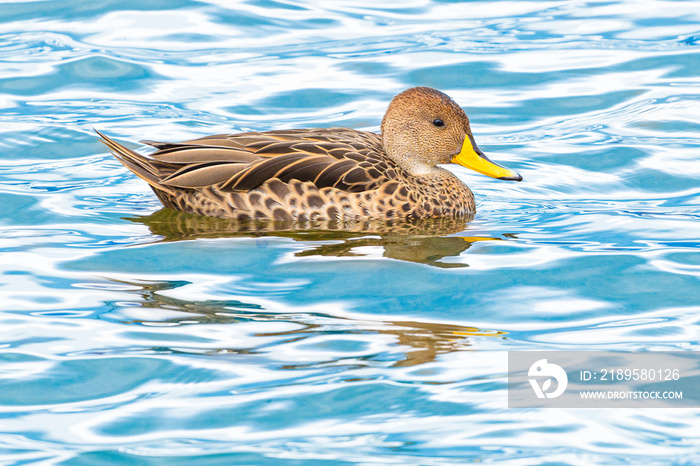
[323,174]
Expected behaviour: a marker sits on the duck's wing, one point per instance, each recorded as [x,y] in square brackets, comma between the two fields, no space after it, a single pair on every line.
[342,158]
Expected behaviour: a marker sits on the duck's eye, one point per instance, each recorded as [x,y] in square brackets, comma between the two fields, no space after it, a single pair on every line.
[438,122]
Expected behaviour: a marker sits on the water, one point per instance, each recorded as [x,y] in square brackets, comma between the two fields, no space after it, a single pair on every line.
[144,337]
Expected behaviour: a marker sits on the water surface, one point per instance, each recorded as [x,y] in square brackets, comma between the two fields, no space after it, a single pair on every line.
[137,335]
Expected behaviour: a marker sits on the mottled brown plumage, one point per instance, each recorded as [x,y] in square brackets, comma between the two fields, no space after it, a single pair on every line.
[322,174]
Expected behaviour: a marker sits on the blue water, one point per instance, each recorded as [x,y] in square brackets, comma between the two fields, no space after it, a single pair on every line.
[141,337]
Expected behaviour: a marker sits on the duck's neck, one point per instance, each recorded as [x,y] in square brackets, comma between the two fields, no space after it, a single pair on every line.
[422,171]
[414,166]
[429,177]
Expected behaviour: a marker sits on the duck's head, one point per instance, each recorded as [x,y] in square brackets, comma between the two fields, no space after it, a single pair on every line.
[424,127]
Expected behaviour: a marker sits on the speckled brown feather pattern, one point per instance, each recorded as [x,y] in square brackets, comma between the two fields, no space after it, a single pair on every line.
[314,174]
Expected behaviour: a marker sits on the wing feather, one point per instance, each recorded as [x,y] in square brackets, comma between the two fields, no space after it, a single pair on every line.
[306,169]
[204,174]
[194,154]
[335,157]
[333,174]
[257,174]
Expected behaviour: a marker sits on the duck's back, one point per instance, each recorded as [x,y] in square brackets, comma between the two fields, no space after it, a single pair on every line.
[336,157]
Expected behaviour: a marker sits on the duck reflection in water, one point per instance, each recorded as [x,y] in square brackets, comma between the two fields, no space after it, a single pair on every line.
[420,341]
[425,241]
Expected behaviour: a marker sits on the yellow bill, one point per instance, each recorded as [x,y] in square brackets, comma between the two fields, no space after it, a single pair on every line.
[471,157]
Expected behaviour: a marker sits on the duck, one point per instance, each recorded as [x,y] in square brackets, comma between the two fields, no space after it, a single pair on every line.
[337,174]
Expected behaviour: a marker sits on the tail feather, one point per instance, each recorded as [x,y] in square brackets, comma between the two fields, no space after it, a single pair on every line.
[140,165]
[158,144]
